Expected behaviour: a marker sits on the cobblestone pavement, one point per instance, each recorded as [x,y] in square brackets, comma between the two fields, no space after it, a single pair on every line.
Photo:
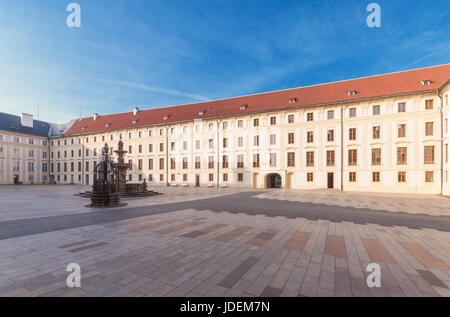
[49,200]
[410,203]
[203,252]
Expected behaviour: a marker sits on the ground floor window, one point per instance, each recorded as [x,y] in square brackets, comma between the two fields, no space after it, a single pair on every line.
[429,177]
[225,177]
[401,177]
[184,177]
[172,177]
[240,177]
[352,177]
[310,177]
[376,177]
[150,177]
[140,177]
[161,177]
[211,177]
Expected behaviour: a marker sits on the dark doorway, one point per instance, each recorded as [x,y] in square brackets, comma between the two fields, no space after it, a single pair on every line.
[273,181]
[197,180]
[330,180]
[16,179]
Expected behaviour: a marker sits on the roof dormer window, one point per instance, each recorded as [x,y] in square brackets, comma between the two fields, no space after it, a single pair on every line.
[243,107]
[166,117]
[425,82]
[107,125]
[352,92]
[293,100]
[201,113]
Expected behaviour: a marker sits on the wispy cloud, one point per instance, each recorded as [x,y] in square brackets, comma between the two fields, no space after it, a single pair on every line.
[157,89]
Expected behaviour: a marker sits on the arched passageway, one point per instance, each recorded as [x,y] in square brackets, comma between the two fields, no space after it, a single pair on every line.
[273,181]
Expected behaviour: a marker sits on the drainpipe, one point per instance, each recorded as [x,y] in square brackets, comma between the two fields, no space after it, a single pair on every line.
[342,146]
[218,152]
[82,164]
[442,141]
[167,156]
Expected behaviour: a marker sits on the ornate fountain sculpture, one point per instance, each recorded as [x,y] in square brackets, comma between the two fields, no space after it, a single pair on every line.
[105,191]
[122,168]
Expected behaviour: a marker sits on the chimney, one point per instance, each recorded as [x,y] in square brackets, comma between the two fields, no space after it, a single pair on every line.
[135,110]
[26,120]
[95,116]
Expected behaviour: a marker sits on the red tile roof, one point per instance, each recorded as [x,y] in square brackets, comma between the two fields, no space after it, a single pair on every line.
[369,87]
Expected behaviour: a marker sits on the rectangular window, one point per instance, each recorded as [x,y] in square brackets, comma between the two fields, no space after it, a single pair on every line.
[376,156]
[446,153]
[310,116]
[291,118]
[402,130]
[173,163]
[185,145]
[161,163]
[211,144]
[256,140]
[172,146]
[401,107]
[330,115]
[225,143]
[310,137]
[150,164]
[376,177]
[376,110]
[225,177]
[210,162]
[429,104]
[197,162]
[352,177]
[401,178]
[240,161]
[225,161]
[429,177]
[429,128]
[291,138]
[211,177]
[161,177]
[185,177]
[309,158]
[352,112]
[256,160]
[240,177]
[402,155]
[310,177]
[291,159]
[376,132]
[352,157]
[256,122]
[273,120]
[140,149]
[330,136]
[429,155]
[185,163]
[273,139]
[161,147]
[352,134]
[330,158]
[240,141]
[197,144]
[225,125]
[140,164]
[273,160]
[240,123]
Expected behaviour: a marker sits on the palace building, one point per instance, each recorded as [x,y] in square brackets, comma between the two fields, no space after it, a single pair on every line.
[385,133]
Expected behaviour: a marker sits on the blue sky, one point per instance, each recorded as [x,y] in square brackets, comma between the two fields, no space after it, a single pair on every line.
[156,53]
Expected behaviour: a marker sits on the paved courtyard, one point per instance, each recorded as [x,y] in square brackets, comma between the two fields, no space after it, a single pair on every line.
[224,242]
